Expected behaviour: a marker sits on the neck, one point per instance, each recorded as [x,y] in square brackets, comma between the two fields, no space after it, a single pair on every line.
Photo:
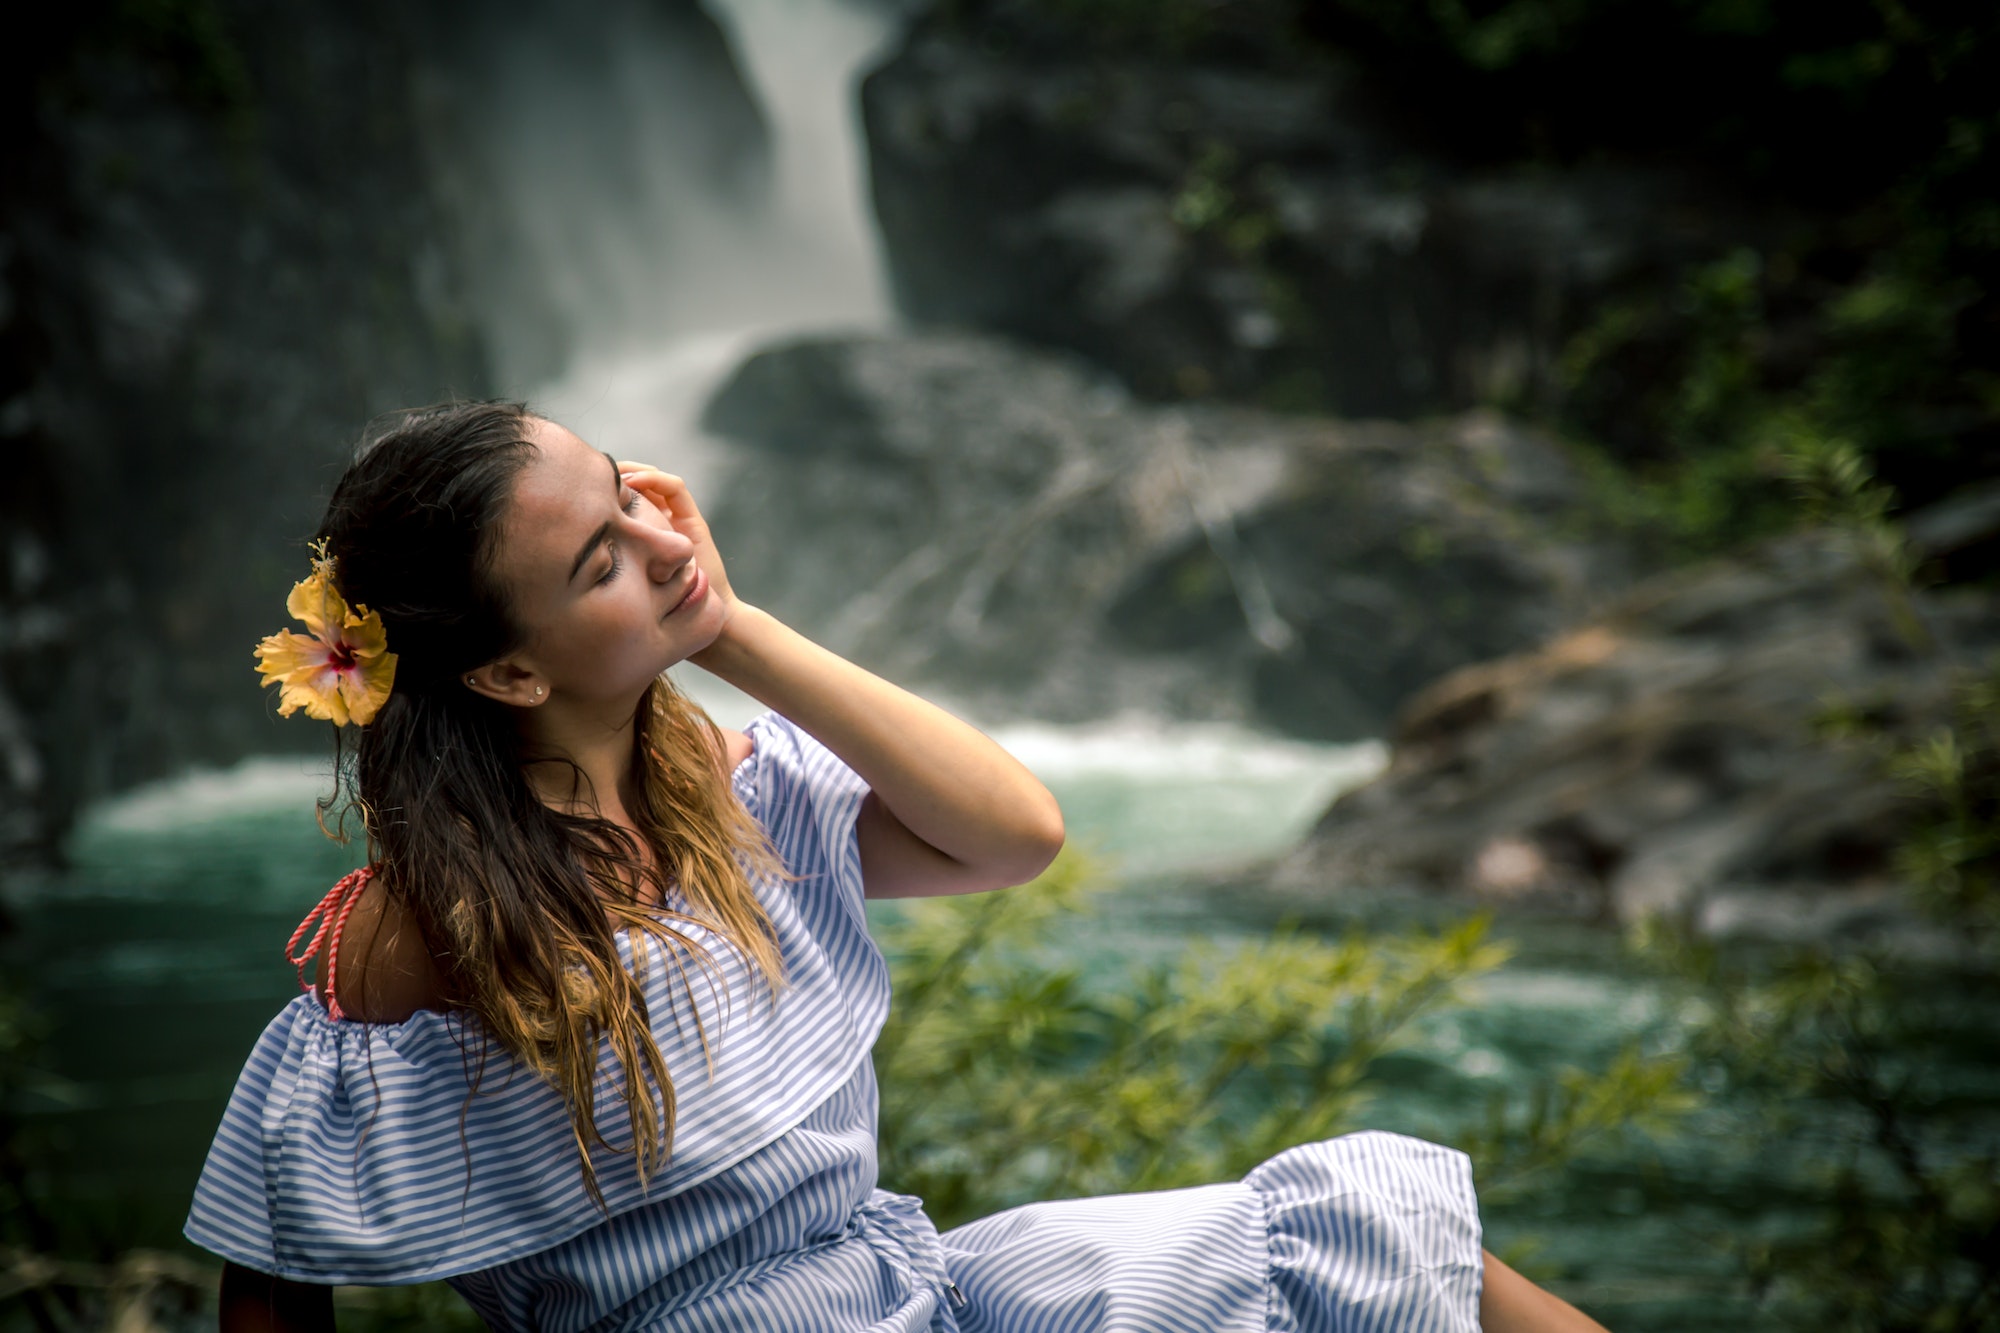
[597,738]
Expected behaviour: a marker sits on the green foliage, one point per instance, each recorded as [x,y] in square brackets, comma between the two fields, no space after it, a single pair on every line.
[428,1305]
[1206,196]
[141,1291]
[1221,199]
[1530,1132]
[1837,1051]
[22,1031]
[1951,857]
[1867,319]
[190,43]
[1705,397]
[1908,1232]
[1229,207]
[1006,1078]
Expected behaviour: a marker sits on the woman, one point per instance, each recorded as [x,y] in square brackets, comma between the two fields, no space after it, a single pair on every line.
[590,1036]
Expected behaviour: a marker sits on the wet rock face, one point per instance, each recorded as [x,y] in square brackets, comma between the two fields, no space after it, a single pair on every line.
[1665,758]
[1009,527]
[1257,227]
[220,260]
[229,235]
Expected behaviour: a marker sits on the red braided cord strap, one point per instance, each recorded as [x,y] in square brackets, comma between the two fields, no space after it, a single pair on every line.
[332,914]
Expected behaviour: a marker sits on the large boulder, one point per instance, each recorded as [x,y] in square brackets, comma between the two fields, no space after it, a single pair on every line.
[1009,526]
[1672,756]
[1259,222]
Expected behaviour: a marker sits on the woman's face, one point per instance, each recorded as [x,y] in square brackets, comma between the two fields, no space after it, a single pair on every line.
[599,582]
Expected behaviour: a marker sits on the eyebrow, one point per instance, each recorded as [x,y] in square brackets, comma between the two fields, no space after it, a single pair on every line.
[604,528]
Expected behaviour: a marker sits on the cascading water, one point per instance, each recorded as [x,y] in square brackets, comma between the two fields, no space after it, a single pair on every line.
[663,264]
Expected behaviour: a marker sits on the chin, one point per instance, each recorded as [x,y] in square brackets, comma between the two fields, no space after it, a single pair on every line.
[706,625]
[643,675]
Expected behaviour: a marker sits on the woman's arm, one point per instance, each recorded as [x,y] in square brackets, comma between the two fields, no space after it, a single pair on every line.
[254,1302]
[949,811]
[1509,1303]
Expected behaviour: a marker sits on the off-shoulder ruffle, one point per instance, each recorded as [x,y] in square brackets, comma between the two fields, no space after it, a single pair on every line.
[361,1153]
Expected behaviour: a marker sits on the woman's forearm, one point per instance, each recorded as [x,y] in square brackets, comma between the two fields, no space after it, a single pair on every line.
[946,783]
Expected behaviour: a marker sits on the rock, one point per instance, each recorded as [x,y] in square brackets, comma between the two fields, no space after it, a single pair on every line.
[1960,534]
[1011,528]
[220,260]
[228,236]
[1665,758]
[1257,223]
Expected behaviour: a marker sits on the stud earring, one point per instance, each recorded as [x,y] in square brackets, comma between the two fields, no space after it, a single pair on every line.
[538,691]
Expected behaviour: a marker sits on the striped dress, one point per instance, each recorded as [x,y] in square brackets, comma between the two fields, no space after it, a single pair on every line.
[383,1153]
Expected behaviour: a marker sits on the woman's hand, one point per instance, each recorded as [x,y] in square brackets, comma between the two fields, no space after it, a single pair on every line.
[949,810]
[670,495]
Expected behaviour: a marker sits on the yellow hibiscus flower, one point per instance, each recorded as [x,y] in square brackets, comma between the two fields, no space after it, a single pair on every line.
[343,671]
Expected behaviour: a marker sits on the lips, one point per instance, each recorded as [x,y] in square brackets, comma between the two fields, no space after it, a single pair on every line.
[697,590]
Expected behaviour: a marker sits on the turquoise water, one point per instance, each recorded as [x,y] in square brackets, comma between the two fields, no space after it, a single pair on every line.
[156,960]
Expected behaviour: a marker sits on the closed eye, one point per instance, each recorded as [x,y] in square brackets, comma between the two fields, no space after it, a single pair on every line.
[617,558]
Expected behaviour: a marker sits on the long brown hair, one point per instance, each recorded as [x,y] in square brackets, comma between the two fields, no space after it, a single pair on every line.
[520,902]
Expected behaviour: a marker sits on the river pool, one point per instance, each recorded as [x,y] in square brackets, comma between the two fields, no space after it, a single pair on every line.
[155,961]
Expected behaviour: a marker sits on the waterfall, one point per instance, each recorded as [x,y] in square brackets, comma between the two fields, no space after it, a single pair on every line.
[666,270]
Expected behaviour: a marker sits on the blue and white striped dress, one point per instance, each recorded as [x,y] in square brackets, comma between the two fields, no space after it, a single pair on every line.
[341,1160]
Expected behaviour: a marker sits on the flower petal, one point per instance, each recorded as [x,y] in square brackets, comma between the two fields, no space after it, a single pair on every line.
[314,600]
[365,687]
[286,652]
[315,691]
[363,634]
[305,675]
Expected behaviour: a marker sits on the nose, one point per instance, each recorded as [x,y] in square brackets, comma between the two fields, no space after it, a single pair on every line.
[666,549]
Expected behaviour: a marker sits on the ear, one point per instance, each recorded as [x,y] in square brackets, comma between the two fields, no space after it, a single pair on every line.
[508,682]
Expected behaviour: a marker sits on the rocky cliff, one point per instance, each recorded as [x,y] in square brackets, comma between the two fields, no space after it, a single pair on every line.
[1256,218]
[1012,528]
[1672,755]
[221,260]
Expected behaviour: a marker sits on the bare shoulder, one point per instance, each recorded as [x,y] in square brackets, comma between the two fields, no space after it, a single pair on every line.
[736,747]
[384,972]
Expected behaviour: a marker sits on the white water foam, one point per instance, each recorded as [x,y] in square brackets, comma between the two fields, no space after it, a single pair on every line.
[264,784]
[1150,795]
[1154,750]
